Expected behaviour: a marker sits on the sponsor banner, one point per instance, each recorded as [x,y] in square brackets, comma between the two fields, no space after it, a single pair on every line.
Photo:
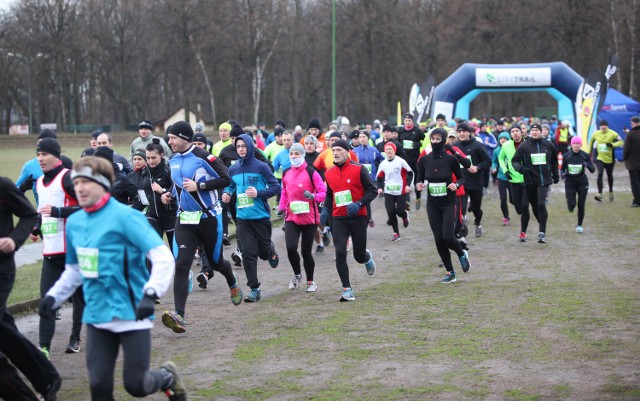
[591,90]
[51,126]
[21,129]
[513,77]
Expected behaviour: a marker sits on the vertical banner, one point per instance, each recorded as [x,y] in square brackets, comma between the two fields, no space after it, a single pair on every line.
[399,114]
[589,95]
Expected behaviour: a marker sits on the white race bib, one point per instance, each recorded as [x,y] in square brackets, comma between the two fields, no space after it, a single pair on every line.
[343,198]
[538,159]
[88,262]
[244,201]
[299,207]
[438,188]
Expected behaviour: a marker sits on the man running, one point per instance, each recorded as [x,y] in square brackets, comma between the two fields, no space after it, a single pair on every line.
[605,140]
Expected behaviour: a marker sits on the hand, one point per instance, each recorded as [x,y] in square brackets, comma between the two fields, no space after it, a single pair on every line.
[380,191]
[226,198]
[308,195]
[7,245]
[146,307]
[155,187]
[46,210]
[407,189]
[420,186]
[452,187]
[189,185]
[27,184]
[473,169]
[45,309]
[166,198]
[609,145]
[353,208]
[251,192]
[508,175]
[324,217]
[563,174]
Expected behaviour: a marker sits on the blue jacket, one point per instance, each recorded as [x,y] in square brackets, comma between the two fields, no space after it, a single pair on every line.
[251,172]
[369,156]
[200,166]
[31,169]
[282,161]
[121,237]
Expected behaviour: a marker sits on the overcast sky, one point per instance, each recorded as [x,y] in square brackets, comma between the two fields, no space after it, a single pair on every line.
[5,4]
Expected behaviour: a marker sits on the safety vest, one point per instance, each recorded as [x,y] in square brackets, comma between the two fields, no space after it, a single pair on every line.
[53,228]
[564,135]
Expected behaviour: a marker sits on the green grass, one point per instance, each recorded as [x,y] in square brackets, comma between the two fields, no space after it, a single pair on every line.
[27,284]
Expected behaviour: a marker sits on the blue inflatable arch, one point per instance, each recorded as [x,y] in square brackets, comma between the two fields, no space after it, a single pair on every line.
[453,96]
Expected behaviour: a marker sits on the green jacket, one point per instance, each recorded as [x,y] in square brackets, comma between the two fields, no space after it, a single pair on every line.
[606,141]
[504,160]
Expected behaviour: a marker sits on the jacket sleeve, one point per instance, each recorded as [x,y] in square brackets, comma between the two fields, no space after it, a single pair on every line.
[18,205]
[319,185]
[223,179]
[273,186]
[485,160]
[66,211]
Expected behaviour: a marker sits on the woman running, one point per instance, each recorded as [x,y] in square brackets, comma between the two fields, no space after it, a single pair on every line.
[161,216]
[394,180]
[575,181]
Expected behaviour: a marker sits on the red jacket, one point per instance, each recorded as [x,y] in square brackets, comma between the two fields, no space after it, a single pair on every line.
[348,177]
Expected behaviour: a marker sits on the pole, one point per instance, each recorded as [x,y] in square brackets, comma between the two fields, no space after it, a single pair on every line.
[333,59]
[29,92]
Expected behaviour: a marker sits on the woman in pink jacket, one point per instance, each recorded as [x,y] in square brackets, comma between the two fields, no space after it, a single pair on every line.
[302,191]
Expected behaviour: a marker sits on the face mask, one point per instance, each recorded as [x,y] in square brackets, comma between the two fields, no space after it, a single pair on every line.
[297,162]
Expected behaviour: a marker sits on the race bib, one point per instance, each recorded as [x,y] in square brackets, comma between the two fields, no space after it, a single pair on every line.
[88,261]
[574,168]
[602,147]
[343,198]
[190,217]
[49,227]
[233,162]
[244,201]
[438,188]
[538,159]
[407,144]
[368,167]
[393,188]
[299,207]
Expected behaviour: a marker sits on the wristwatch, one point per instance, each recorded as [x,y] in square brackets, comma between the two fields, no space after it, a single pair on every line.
[150,292]
[203,185]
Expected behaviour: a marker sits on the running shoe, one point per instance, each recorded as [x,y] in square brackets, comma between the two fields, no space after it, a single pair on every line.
[274,259]
[348,244]
[406,221]
[190,281]
[176,391]
[598,197]
[58,314]
[311,286]
[542,238]
[478,231]
[523,237]
[396,237]
[505,221]
[326,236]
[174,321]
[74,346]
[464,261]
[197,258]
[236,292]
[407,206]
[203,279]
[610,196]
[463,243]
[450,277]
[347,295]
[579,230]
[225,240]
[45,351]
[236,256]
[371,264]
[418,204]
[253,296]
[320,249]
[295,281]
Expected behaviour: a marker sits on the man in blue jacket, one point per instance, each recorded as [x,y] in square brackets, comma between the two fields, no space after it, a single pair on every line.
[253,183]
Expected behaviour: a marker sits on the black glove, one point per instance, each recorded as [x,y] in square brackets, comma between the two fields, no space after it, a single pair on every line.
[353,208]
[324,217]
[45,309]
[609,145]
[146,307]
[308,195]
[556,179]
[449,148]
[563,174]
[508,175]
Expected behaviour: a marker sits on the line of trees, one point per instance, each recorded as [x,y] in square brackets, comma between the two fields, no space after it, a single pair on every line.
[118,61]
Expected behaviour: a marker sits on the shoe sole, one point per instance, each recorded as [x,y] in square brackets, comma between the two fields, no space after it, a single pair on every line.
[72,350]
[250,300]
[202,281]
[343,299]
[171,323]
[453,280]
[180,390]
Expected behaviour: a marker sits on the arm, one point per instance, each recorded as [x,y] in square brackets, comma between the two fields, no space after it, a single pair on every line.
[461,157]
[66,284]
[162,269]
[321,188]
[223,179]
[284,198]
[485,160]
[66,211]
[17,204]
[516,161]
[273,186]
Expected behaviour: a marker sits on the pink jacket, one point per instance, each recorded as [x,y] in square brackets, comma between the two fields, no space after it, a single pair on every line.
[294,182]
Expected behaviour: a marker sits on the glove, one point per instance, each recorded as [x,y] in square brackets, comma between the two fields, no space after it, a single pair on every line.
[353,208]
[308,195]
[324,217]
[609,145]
[556,179]
[146,307]
[45,309]
[449,148]
[508,175]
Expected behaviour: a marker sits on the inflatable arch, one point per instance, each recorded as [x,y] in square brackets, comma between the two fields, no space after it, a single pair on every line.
[453,96]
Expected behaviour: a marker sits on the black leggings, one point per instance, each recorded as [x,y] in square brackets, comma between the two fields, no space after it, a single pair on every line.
[521,203]
[187,238]
[475,205]
[52,269]
[102,351]
[441,220]
[254,241]
[581,191]
[602,166]
[164,225]
[342,228]
[538,200]
[395,205]
[504,190]
[292,234]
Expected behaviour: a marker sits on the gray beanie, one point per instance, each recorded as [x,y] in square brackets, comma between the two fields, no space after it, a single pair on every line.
[296,147]
[311,138]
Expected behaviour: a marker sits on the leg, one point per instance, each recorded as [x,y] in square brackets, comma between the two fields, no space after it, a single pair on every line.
[582,199]
[390,205]
[102,351]
[210,235]
[435,214]
[11,385]
[609,167]
[358,230]
[540,199]
[52,269]
[292,237]
[475,199]
[250,251]
[78,309]
[634,180]
[570,192]
[139,381]
[306,249]
[502,190]
[185,242]
[600,167]
[340,235]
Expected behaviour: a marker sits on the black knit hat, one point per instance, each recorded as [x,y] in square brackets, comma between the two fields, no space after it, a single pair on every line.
[47,133]
[105,152]
[387,127]
[183,130]
[95,134]
[281,123]
[341,143]
[145,124]
[236,131]
[199,137]
[314,123]
[49,145]
[278,131]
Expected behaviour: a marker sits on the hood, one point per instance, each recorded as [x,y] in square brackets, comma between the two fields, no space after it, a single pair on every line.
[250,148]
[504,135]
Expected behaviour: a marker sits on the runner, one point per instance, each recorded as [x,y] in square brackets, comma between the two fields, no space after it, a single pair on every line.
[605,140]
[108,244]
[16,351]
[516,180]
[224,131]
[253,183]
[302,190]
[145,129]
[197,176]
[631,156]
[575,180]
[435,172]
[411,138]
[394,181]
[503,182]
[162,217]
[57,201]
[536,159]
[349,190]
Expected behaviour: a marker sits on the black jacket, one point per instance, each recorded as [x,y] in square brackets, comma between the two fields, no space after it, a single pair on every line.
[537,161]
[477,153]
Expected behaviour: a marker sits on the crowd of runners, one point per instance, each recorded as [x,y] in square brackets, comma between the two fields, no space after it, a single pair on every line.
[323,183]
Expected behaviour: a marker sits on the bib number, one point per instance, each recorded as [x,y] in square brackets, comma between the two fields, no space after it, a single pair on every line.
[407,144]
[244,201]
[538,159]
[190,217]
[88,261]
[438,189]
[299,207]
[602,147]
[343,198]
[49,227]
[368,167]
[391,188]
[574,168]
